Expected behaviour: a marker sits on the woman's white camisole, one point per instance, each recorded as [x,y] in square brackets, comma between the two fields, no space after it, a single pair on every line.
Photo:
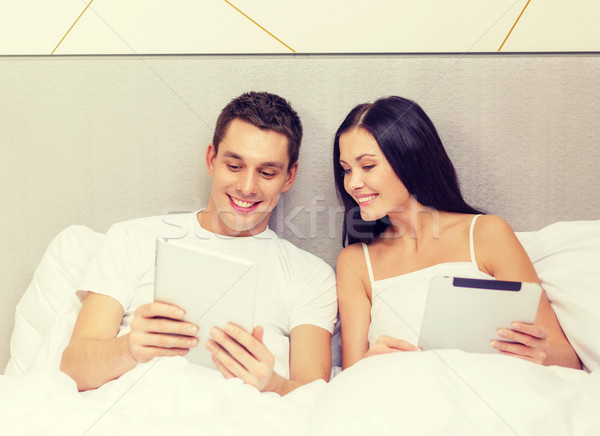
[398,303]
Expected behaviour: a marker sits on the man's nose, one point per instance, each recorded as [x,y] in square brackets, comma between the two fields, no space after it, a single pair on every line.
[247,183]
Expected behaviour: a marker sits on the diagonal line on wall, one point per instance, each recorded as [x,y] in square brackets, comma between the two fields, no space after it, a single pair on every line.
[451,67]
[72,25]
[511,29]
[279,40]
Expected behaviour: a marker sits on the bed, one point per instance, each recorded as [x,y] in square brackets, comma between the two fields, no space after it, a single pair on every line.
[95,140]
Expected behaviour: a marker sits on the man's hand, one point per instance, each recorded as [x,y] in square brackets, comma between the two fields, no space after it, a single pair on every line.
[387,344]
[237,353]
[158,329]
[530,342]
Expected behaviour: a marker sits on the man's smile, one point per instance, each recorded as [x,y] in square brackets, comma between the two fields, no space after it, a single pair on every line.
[242,205]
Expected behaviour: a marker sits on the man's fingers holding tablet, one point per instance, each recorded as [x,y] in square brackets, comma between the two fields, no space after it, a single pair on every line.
[158,309]
[167,326]
[157,330]
[227,364]
[144,347]
[226,373]
[243,354]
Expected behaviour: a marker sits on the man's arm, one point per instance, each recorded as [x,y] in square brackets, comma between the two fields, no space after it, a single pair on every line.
[237,353]
[95,355]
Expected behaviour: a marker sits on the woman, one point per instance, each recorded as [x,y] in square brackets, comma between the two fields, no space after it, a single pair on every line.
[406,222]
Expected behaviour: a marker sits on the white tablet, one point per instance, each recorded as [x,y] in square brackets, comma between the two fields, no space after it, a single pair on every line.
[213,289]
[466,313]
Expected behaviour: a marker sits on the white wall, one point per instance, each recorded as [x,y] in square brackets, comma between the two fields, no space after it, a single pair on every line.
[308,26]
[96,140]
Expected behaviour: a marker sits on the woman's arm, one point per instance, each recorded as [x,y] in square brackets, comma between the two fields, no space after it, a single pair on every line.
[499,252]
[354,303]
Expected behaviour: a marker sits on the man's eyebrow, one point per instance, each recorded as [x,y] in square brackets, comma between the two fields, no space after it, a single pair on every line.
[232,155]
[273,164]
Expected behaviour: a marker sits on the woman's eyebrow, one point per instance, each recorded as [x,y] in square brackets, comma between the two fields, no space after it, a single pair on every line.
[358,158]
[363,155]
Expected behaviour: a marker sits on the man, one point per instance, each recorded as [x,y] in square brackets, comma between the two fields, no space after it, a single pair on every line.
[252,160]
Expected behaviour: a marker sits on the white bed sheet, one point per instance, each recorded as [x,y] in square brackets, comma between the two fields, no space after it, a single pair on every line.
[421,393]
[164,396]
[450,392]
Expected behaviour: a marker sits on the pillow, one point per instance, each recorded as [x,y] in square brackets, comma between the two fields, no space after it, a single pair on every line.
[51,291]
[566,256]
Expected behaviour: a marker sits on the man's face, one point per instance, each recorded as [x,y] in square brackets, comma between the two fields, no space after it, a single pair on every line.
[249,173]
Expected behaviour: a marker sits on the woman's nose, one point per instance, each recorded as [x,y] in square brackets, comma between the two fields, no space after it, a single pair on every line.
[354,180]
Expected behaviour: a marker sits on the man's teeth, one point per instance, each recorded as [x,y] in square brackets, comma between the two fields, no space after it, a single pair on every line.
[368,198]
[242,203]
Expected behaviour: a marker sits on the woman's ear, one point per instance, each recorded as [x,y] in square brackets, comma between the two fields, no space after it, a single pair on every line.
[211,154]
[290,177]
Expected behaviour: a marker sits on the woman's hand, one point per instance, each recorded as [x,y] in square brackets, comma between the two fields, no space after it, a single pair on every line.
[386,344]
[530,342]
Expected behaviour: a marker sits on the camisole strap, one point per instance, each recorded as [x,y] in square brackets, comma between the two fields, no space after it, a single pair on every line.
[368,260]
[471,245]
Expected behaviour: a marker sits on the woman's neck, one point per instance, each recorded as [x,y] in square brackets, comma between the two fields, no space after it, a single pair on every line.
[414,221]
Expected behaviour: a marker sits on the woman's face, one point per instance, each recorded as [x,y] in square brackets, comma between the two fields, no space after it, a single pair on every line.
[369,178]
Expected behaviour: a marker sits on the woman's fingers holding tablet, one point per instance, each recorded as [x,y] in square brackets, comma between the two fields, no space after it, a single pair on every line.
[387,344]
[530,342]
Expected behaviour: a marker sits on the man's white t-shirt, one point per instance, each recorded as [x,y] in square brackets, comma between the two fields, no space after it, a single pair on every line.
[294,286]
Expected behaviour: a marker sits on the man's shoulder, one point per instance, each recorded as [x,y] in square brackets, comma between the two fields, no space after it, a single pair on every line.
[299,257]
[168,226]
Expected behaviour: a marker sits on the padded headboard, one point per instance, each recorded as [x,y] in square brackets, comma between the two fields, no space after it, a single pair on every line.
[95,140]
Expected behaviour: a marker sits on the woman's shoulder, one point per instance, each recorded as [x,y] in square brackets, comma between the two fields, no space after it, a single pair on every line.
[486,225]
[352,272]
[351,254]
[492,227]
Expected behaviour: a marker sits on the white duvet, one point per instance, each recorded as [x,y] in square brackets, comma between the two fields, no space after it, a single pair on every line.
[429,393]
[420,393]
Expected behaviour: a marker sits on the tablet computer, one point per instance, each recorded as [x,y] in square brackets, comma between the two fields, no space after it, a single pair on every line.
[213,288]
[465,313]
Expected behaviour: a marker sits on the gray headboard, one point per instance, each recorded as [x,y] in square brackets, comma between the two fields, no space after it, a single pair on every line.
[95,140]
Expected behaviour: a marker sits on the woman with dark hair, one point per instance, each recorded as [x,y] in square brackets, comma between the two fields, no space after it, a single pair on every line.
[405,222]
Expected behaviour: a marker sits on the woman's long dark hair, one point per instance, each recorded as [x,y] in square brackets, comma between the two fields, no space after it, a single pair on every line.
[412,146]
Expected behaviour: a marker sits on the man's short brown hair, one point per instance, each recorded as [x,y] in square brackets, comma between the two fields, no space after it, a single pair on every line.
[266,111]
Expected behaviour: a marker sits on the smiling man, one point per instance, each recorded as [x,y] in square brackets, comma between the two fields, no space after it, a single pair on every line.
[252,160]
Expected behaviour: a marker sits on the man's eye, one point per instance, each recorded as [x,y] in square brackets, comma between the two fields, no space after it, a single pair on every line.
[267,174]
[233,167]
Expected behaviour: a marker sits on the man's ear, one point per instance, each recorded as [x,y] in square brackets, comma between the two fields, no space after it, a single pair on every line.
[211,155]
[290,177]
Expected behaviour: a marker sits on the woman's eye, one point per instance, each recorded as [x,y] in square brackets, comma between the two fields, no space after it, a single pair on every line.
[348,171]
[368,167]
